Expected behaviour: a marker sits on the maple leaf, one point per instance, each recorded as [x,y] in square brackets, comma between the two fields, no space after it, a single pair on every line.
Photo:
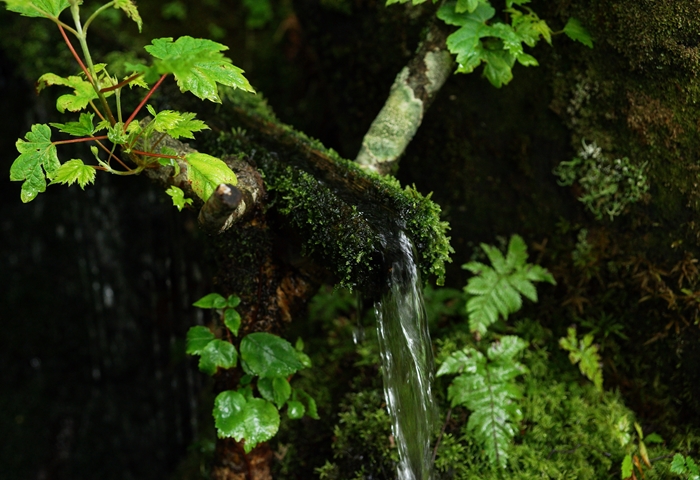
[198,65]
[83,91]
[36,152]
[82,128]
[205,173]
[74,171]
[175,124]
[178,197]
[37,8]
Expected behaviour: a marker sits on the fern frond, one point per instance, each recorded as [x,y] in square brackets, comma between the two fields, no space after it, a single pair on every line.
[498,290]
[485,385]
[585,353]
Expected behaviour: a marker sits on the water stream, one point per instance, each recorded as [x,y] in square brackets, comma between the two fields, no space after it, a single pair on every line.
[407,361]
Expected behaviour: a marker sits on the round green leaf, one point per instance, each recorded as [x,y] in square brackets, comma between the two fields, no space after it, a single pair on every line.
[217,353]
[295,409]
[213,300]
[197,339]
[254,421]
[282,390]
[232,320]
[268,355]
[233,301]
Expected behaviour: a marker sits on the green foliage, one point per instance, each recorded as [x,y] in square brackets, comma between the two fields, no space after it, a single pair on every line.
[685,466]
[584,353]
[73,171]
[575,31]
[497,42]
[206,173]
[36,152]
[178,197]
[498,290]
[238,413]
[198,66]
[362,441]
[485,385]
[609,186]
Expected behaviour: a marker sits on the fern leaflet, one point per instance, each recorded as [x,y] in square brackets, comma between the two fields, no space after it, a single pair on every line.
[485,385]
[585,354]
[498,290]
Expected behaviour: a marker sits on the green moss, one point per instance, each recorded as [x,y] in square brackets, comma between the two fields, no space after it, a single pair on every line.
[339,210]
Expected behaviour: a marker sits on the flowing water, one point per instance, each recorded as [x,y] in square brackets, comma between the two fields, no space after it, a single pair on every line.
[407,361]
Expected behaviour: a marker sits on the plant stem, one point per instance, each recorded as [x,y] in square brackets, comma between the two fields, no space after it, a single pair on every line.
[78,140]
[82,38]
[75,54]
[145,99]
[121,84]
[95,14]
[153,154]
[113,156]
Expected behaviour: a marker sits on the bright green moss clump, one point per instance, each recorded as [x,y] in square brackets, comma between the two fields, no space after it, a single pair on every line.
[339,210]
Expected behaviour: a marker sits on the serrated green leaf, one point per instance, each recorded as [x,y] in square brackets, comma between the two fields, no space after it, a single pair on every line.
[466,6]
[295,409]
[692,467]
[211,300]
[457,362]
[498,67]
[116,133]
[36,152]
[505,349]
[233,301]
[176,124]
[448,14]
[198,66]
[129,7]
[217,353]
[232,320]
[206,173]
[268,355]
[83,91]
[255,420]
[575,31]
[626,467]
[74,171]
[178,197]
[197,339]
[585,355]
[37,8]
[82,128]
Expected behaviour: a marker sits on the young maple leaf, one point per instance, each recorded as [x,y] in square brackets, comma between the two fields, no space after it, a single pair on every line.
[198,65]
[129,7]
[83,91]
[74,171]
[37,8]
[36,152]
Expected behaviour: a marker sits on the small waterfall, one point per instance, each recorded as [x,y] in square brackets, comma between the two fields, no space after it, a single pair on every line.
[407,361]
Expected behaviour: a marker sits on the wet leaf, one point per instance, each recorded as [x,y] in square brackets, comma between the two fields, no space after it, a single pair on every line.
[268,355]
[217,353]
[74,171]
[178,197]
[206,173]
[37,8]
[212,300]
[36,151]
[197,339]
[254,420]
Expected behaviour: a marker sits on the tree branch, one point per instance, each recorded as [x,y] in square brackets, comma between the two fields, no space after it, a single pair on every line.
[413,91]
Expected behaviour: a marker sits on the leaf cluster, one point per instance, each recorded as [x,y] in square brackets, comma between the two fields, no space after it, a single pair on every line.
[268,362]
[197,65]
